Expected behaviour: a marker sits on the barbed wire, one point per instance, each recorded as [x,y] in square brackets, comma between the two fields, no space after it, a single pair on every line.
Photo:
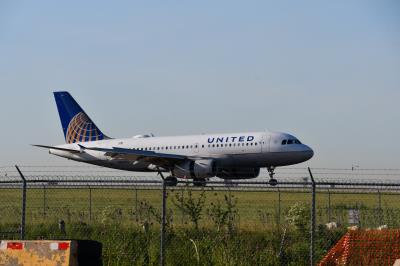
[281,168]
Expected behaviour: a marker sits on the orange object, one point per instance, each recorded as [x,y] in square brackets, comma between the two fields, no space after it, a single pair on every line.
[365,247]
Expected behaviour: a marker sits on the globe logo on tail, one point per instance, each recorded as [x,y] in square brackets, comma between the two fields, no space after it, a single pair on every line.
[81,129]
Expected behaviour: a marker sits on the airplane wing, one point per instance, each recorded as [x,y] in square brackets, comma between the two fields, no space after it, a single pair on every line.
[164,160]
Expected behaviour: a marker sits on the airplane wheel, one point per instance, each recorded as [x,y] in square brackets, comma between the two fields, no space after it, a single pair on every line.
[199,182]
[273,182]
[171,181]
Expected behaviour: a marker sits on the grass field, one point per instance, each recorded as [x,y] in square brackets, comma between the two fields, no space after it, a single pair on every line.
[253,208]
[251,232]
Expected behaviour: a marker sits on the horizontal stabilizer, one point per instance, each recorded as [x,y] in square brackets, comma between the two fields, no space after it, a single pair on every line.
[57,148]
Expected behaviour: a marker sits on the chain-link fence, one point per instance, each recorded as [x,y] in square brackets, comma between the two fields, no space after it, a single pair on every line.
[141,221]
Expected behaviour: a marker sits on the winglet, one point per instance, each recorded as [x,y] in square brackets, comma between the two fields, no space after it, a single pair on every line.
[81,148]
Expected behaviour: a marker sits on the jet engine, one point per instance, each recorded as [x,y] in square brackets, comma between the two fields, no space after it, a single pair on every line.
[196,169]
[238,173]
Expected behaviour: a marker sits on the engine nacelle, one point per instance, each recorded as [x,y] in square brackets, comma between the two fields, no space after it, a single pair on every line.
[238,173]
[196,169]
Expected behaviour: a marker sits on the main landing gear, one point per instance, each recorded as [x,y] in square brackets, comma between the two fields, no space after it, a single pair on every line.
[271,173]
[199,182]
[171,181]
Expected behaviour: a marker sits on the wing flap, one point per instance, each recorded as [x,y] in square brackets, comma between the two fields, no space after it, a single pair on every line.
[120,151]
[164,160]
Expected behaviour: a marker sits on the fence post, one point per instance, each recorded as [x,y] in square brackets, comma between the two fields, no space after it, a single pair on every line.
[380,211]
[136,202]
[379,200]
[163,211]
[44,201]
[90,204]
[312,229]
[22,229]
[182,213]
[329,206]
[279,207]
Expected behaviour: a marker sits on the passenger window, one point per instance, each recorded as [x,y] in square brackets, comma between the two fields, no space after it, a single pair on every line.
[213,145]
[297,141]
[217,145]
[247,144]
[255,143]
[251,144]
[230,144]
[290,141]
[284,142]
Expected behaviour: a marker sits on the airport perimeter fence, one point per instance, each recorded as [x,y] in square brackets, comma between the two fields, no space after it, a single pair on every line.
[142,221]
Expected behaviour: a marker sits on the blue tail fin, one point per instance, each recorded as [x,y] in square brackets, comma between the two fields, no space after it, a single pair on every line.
[76,124]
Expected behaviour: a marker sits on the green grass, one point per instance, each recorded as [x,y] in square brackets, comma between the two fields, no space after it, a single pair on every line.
[130,245]
[254,208]
[116,219]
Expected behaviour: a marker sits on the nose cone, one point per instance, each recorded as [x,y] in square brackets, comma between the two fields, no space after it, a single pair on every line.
[308,153]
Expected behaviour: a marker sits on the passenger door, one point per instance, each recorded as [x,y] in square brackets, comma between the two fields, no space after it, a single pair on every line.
[265,141]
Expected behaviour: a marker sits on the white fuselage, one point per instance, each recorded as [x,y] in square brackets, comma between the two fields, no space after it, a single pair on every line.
[249,149]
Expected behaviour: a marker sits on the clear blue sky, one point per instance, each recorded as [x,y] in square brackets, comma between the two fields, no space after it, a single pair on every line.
[325,71]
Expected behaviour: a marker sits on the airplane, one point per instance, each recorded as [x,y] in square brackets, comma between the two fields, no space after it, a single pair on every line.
[198,157]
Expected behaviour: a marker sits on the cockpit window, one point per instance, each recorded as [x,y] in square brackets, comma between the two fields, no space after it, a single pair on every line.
[290,141]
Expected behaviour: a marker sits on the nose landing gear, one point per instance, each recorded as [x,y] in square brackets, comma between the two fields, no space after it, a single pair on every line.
[271,173]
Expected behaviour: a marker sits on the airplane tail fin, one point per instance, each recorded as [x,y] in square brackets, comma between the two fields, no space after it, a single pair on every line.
[76,124]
